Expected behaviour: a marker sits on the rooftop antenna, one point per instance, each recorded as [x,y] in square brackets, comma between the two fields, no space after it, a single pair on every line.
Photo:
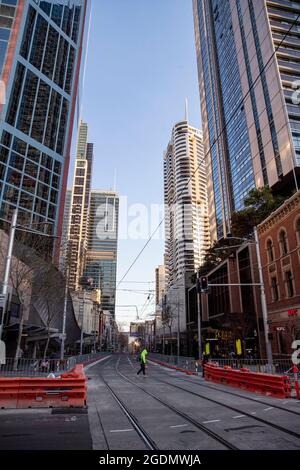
[186,110]
[115,181]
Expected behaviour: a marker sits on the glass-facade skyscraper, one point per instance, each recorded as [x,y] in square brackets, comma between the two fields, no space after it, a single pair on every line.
[102,246]
[41,46]
[247,76]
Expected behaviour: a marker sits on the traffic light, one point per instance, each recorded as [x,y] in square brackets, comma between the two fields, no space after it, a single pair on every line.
[204,283]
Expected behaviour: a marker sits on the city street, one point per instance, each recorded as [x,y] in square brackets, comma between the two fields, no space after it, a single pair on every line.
[166,410]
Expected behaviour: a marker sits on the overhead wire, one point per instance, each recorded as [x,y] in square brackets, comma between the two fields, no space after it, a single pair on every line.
[266,66]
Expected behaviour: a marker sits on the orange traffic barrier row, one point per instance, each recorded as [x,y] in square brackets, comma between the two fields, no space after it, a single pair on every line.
[277,386]
[68,390]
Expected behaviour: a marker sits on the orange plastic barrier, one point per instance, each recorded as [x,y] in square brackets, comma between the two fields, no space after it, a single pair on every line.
[67,391]
[9,390]
[277,386]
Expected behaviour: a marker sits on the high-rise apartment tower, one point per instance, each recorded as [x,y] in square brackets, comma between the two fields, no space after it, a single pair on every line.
[185,197]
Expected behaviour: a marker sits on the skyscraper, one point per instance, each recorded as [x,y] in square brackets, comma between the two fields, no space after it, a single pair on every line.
[248,63]
[65,232]
[41,45]
[80,205]
[102,245]
[185,197]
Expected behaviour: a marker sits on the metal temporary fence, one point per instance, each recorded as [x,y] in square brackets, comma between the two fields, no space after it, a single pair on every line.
[187,363]
[43,367]
[279,366]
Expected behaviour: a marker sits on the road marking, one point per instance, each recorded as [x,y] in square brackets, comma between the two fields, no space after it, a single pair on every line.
[211,421]
[121,430]
[179,426]
[239,416]
[253,412]
[270,408]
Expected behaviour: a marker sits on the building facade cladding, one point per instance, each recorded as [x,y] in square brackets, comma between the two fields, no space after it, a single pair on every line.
[185,196]
[40,60]
[279,238]
[249,122]
[80,205]
[102,246]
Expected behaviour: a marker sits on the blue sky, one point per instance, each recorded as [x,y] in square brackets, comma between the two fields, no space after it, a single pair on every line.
[141,66]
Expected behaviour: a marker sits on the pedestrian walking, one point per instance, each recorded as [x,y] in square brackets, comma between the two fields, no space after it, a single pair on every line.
[205,359]
[143,362]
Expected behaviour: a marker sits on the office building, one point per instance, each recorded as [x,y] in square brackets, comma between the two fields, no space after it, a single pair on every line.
[80,205]
[248,63]
[102,245]
[41,48]
[185,197]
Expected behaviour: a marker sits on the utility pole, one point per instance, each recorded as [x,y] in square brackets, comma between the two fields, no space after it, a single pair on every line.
[178,329]
[7,269]
[81,334]
[63,335]
[263,300]
[199,308]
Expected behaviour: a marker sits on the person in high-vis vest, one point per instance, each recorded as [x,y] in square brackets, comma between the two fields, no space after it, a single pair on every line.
[143,361]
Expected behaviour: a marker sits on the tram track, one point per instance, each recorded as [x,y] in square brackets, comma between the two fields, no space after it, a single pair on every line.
[228,445]
[236,410]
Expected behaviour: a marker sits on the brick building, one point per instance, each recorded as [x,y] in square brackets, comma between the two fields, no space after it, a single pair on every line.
[231,314]
[279,237]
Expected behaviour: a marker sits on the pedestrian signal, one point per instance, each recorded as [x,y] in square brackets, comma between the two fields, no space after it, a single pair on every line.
[204,283]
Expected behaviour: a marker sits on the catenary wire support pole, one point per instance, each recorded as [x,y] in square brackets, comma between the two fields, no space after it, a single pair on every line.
[7,268]
[82,322]
[63,336]
[199,308]
[178,329]
[263,300]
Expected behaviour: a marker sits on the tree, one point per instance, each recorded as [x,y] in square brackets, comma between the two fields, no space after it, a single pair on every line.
[48,294]
[123,340]
[259,204]
[218,252]
[25,264]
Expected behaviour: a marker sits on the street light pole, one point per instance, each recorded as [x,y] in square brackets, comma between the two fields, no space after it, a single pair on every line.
[82,322]
[199,308]
[7,268]
[178,329]
[263,300]
[62,345]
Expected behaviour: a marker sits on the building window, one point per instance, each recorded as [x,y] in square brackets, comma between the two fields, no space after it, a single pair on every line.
[274,289]
[297,229]
[270,251]
[289,284]
[283,243]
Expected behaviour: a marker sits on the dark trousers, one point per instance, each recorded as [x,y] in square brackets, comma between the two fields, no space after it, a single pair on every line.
[142,369]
